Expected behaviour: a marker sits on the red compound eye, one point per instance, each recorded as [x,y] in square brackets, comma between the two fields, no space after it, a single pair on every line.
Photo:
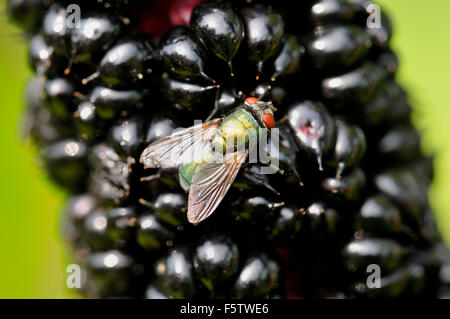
[268,120]
[251,100]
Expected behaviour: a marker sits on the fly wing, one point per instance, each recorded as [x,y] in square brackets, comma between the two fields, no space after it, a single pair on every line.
[181,147]
[210,183]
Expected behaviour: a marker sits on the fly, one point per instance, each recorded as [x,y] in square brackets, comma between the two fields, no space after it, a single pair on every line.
[194,152]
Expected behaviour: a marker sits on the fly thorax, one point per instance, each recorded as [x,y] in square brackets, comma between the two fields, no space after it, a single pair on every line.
[236,131]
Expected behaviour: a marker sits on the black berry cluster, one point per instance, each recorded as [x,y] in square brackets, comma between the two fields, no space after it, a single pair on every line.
[351,192]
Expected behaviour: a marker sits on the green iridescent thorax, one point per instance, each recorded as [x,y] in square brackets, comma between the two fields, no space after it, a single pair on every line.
[236,130]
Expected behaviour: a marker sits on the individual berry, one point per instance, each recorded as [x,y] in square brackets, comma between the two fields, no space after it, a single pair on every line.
[184,95]
[174,273]
[110,273]
[124,64]
[287,224]
[322,219]
[171,208]
[338,47]
[215,260]
[159,127]
[400,143]
[59,97]
[402,188]
[110,103]
[154,292]
[86,121]
[152,234]
[355,87]
[264,30]
[27,13]
[323,12]
[219,28]
[182,54]
[255,209]
[258,277]
[389,61]
[54,29]
[95,231]
[350,147]
[110,179]
[42,56]
[65,162]
[126,137]
[95,33]
[359,253]
[313,128]
[290,57]
[121,224]
[39,123]
[77,209]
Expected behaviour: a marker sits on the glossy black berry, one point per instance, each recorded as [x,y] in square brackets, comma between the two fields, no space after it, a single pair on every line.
[121,224]
[255,209]
[355,87]
[160,127]
[184,95]
[350,147]
[360,253]
[403,188]
[264,29]
[287,224]
[259,275]
[313,128]
[65,162]
[152,234]
[338,47]
[110,103]
[182,53]
[219,28]
[27,13]
[75,212]
[54,29]
[171,208]
[400,143]
[347,187]
[379,215]
[86,121]
[95,231]
[109,179]
[322,219]
[95,33]
[323,12]
[41,55]
[125,64]
[59,97]
[215,260]
[126,137]
[40,125]
[289,58]
[174,273]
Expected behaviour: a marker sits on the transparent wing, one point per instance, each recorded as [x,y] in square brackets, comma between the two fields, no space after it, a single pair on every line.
[181,147]
[210,183]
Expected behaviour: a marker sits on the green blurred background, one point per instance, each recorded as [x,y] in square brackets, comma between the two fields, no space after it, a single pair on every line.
[32,262]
